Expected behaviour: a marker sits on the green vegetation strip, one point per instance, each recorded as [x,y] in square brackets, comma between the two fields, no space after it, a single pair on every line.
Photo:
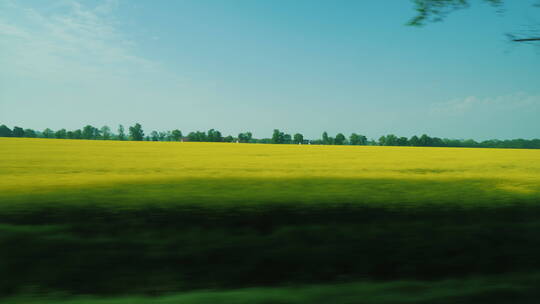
[173,236]
[514,288]
[255,192]
[159,249]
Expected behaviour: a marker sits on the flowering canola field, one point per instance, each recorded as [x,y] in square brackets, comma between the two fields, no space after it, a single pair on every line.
[111,217]
[131,173]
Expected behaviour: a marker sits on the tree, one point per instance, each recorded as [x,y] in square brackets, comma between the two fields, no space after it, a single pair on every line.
[437,142]
[18,132]
[363,140]
[87,132]
[176,135]
[90,132]
[197,136]
[391,140]
[30,133]
[48,133]
[425,141]
[414,141]
[192,136]
[473,143]
[121,134]
[77,134]
[340,139]
[105,132]
[356,139]
[5,131]
[244,137]
[402,141]
[437,10]
[229,138]
[275,136]
[382,140]
[136,132]
[325,139]
[214,136]
[287,139]
[62,133]
[298,138]
[162,136]
[154,135]
[166,135]
[278,137]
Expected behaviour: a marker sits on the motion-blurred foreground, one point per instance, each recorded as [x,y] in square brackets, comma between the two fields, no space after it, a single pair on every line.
[124,222]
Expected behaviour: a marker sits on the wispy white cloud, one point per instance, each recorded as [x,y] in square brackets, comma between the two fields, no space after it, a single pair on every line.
[477,104]
[69,63]
[71,41]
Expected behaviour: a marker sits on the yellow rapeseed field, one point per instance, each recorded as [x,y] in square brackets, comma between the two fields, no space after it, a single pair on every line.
[162,171]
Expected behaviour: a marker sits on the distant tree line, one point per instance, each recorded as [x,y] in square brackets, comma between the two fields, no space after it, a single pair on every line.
[427,141]
[136,133]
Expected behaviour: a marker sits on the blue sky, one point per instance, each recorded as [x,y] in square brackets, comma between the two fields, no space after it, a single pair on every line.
[251,65]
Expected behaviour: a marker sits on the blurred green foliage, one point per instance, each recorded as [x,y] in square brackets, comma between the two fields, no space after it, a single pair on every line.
[515,288]
[123,240]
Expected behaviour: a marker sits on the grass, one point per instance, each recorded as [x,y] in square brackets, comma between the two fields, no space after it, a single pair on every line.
[136,218]
[496,290]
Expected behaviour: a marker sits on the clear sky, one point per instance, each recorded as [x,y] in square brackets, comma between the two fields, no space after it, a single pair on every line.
[251,65]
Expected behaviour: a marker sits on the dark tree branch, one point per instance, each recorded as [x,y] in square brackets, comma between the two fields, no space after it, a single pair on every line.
[526,39]
[436,10]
